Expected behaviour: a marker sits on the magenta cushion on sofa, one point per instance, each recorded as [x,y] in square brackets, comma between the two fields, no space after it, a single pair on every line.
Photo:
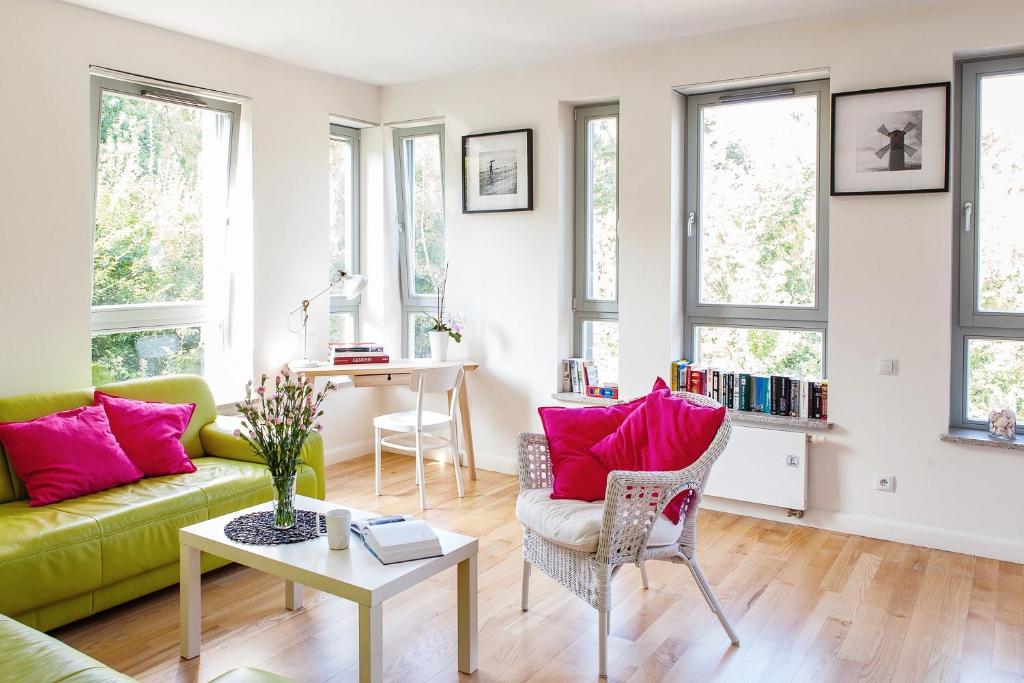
[665,433]
[571,432]
[66,454]
[150,433]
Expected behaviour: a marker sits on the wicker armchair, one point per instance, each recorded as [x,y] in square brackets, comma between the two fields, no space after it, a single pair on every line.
[633,501]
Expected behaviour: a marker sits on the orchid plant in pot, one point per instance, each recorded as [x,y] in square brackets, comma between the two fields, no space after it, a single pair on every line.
[277,420]
[443,326]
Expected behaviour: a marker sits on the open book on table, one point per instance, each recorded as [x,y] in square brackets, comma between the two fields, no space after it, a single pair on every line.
[398,538]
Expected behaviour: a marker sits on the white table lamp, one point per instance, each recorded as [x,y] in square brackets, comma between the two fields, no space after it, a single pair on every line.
[346,286]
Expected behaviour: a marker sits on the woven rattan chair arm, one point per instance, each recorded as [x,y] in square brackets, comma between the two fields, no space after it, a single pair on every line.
[534,461]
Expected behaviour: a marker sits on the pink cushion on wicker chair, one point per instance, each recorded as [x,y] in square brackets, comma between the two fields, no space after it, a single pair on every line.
[571,432]
[665,433]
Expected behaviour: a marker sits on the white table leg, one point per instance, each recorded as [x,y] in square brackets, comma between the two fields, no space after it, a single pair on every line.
[190,592]
[371,643]
[468,629]
[292,595]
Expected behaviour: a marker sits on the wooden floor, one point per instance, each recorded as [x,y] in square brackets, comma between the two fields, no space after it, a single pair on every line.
[809,605]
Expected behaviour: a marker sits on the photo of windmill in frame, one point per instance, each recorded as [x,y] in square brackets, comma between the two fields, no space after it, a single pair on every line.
[889,141]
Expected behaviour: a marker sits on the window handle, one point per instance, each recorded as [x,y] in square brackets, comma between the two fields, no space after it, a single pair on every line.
[968,215]
[689,223]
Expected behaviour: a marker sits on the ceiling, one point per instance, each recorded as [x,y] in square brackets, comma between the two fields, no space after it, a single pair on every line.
[396,41]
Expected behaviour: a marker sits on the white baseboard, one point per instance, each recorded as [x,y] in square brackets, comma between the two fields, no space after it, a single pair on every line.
[348,451]
[1010,550]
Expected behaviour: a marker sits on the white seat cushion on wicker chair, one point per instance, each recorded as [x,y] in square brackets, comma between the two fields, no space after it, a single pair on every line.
[576,524]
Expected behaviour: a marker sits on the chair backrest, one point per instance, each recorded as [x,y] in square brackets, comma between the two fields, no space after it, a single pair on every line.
[437,380]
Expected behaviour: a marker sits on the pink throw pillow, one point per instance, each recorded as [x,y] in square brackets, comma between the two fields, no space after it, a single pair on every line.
[666,433]
[66,454]
[571,432]
[150,433]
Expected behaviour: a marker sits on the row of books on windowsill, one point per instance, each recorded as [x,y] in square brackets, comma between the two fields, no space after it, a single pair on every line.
[580,376]
[781,395]
[350,353]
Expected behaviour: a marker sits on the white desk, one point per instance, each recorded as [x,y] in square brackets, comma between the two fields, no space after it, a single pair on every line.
[353,574]
[396,373]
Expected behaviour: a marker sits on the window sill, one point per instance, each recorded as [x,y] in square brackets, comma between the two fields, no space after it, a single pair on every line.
[769,421]
[979,437]
[573,397]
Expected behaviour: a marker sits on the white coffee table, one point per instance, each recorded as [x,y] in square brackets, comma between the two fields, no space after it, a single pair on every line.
[353,574]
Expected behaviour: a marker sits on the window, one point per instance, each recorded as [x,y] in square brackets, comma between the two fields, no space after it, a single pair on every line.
[344,226]
[988,334]
[596,289]
[419,164]
[162,172]
[757,228]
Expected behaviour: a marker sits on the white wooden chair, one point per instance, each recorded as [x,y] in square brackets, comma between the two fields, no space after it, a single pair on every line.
[413,431]
[583,545]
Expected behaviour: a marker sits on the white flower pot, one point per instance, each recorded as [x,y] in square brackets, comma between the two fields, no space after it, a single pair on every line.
[439,346]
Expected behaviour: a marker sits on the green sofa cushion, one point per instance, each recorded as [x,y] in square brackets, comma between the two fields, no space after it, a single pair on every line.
[138,523]
[30,407]
[28,655]
[173,389]
[231,485]
[46,555]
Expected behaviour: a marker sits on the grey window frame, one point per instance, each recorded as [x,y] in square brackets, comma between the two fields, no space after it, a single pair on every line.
[585,309]
[802,318]
[968,322]
[110,319]
[338,304]
[412,303]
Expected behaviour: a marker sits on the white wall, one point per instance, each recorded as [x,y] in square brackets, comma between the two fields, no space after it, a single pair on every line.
[890,263]
[46,48]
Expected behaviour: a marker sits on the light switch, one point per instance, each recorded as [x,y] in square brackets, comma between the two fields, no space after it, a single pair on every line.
[887,366]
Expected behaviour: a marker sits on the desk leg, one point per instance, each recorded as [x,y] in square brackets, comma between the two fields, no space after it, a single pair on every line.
[371,643]
[468,628]
[292,595]
[467,428]
[190,592]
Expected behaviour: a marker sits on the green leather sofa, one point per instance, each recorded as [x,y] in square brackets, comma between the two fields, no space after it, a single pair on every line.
[65,561]
[28,656]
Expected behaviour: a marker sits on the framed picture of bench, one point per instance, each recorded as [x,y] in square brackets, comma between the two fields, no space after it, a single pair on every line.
[497,171]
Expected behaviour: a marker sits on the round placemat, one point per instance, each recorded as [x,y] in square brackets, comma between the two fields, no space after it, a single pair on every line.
[257,528]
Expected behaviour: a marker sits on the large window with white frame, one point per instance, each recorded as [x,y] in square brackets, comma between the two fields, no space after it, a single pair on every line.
[344,226]
[988,329]
[596,257]
[419,170]
[162,163]
[757,229]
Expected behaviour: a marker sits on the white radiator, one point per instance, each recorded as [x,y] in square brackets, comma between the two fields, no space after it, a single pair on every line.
[763,466]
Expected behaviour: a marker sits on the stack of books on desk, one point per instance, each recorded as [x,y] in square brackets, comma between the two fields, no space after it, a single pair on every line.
[349,353]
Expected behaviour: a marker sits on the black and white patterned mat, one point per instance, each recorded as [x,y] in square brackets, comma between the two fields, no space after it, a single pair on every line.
[257,528]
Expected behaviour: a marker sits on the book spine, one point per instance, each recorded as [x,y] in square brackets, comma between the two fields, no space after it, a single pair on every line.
[816,400]
[354,360]
[566,386]
[804,412]
[766,395]
[794,397]
[673,374]
[573,380]
[354,354]
[681,371]
[357,349]
[744,392]
[716,385]
[590,377]
[824,399]
[730,390]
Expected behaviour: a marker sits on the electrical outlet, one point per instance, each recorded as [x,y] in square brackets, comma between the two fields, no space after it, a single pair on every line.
[792,460]
[885,482]
[887,366]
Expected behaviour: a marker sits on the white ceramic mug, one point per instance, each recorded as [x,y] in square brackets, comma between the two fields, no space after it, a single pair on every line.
[338,521]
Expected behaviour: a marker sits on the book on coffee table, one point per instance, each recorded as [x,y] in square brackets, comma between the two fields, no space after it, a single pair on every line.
[398,538]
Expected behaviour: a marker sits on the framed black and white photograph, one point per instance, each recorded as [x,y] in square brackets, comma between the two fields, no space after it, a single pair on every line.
[497,171]
[891,140]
